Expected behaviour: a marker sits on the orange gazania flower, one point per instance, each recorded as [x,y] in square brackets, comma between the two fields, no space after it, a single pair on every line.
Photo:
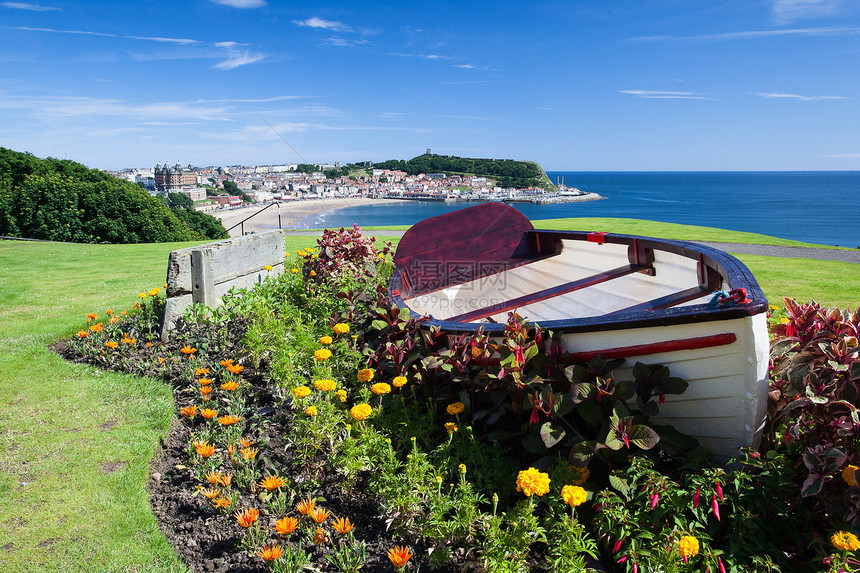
[114,319]
[247,518]
[206,390]
[208,413]
[201,372]
[343,526]
[220,502]
[83,333]
[187,349]
[97,327]
[230,385]
[189,411]
[399,556]
[234,369]
[319,514]
[204,381]
[229,420]
[306,506]
[219,478]
[286,525]
[320,536]
[91,317]
[111,344]
[225,362]
[272,482]
[270,553]
[127,340]
[210,493]
[109,312]
[203,449]
[249,453]
[246,442]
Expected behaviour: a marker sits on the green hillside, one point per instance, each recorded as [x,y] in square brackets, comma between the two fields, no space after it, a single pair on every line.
[506,172]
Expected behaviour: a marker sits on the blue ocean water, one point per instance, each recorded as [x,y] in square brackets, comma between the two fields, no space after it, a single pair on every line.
[817,207]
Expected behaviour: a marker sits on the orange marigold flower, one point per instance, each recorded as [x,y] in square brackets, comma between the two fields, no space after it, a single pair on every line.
[360,411]
[111,344]
[267,267]
[208,413]
[286,525]
[92,316]
[399,381]
[272,482]
[210,493]
[229,420]
[320,536]
[149,345]
[83,333]
[380,388]
[306,506]
[341,395]
[844,541]
[248,517]
[189,411]
[340,328]
[688,546]
[399,556]
[326,340]
[201,372]
[319,514]
[848,475]
[325,385]
[141,295]
[229,385]
[455,408]
[365,375]
[153,291]
[187,349]
[301,391]
[270,553]
[203,449]
[97,327]
[204,381]
[234,368]
[322,354]
[311,411]
[220,502]
[249,453]
[451,427]
[343,526]
[533,482]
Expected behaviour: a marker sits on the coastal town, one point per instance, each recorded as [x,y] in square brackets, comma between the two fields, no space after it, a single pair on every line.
[209,187]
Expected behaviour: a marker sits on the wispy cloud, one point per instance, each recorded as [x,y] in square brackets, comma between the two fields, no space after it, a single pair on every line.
[465,66]
[345,43]
[656,94]
[425,56]
[178,41]
[31,7]
[241,3]
[787,11]
[236,59]
[754,34]
[843,156]
[798,97]
[321,24]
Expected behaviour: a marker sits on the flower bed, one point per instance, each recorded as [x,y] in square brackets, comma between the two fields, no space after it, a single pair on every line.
[317,427]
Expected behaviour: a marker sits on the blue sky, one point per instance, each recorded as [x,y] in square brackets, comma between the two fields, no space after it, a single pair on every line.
[575,85]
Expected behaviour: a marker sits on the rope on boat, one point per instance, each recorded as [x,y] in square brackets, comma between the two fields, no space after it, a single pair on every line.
[737,296]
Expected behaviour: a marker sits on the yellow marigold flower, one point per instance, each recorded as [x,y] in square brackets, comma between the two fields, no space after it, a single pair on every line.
[153,291]
[189,411]
[320,536]
[399,556]
[325,340]
[319,514]
[222,502]
[578,475]
[784,320]
[451,427]
[111,344]
[322,354]
[97,327]
[247,518]
[311,411]
[455,408]
[341,395]
[365,375]
[249,454]
[286,525]
[313,273]
[229,420]
[203,449]
[573,495]
[688,546]
[340,328]
[845,541]
[343,526]
[533,482]
[141,295]
[268,267]
[399,381]
[380,388]
[92,316]
[208,413]
[210,493]
[306,506]
[462,469]
[360,411]
[204,381]
[230,385]
[83,333]
[272,482]
[294,270]
[270,553]
[301,392]
[187,349]
[309,250]
[234,368]
[848,475]
[325,385]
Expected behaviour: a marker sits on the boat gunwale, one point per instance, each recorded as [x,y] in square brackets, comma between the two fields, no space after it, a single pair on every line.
[733,271]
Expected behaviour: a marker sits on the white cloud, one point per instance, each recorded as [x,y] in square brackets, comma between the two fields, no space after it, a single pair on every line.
[236,59]
[843,156]
[656,94]
[319,23]
[31,7]
[754,34]
[345,43]
[465,66]
[179,41]
[777,95]
[787,11]
[241,3]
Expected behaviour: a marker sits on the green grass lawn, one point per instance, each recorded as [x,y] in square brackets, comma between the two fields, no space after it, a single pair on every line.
[76,442]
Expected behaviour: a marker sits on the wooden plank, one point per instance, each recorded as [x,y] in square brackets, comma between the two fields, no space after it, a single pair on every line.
[655,347]
[666,301]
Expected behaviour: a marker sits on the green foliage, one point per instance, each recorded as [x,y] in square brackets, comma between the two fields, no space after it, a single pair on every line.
[507,172]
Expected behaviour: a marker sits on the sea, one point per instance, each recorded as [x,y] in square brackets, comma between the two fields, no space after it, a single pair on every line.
[820,207]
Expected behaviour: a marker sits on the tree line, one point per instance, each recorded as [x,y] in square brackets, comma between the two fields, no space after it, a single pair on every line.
[61,200]
[506,172]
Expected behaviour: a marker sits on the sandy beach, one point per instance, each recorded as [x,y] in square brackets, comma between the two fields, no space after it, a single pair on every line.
[291,213]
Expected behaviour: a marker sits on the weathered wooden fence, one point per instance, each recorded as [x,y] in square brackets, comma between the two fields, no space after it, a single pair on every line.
[205,273]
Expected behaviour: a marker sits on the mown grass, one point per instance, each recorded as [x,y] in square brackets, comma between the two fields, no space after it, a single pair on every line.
[76,442]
